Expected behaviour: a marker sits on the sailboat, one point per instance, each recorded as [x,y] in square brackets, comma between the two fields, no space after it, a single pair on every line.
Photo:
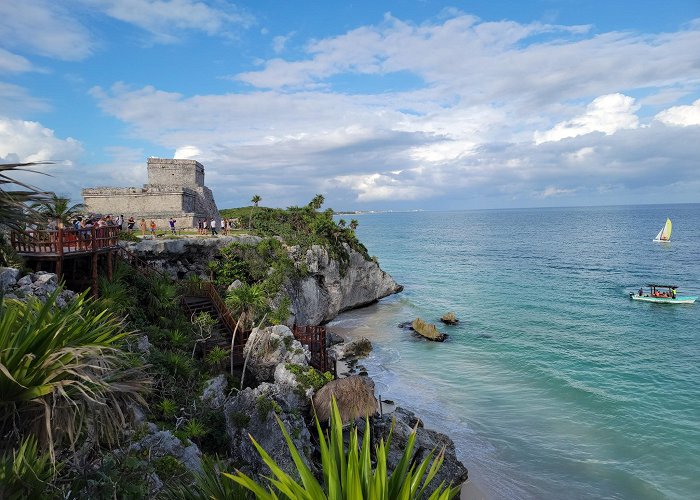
[665,233]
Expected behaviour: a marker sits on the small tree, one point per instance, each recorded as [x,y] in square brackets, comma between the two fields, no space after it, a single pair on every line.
[317,202]
[245,301]
[58,208]
[255,200]
[204,325]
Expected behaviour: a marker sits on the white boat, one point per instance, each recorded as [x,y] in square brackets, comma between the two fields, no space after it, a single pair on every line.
[667,296]
[665,233]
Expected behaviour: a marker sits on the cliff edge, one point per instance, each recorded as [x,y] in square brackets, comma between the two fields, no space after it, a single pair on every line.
[327,289]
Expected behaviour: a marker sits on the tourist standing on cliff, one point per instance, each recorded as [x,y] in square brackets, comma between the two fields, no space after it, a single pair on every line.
[142,226]
[213,228]
[153,229]
[130,224]
[172,225]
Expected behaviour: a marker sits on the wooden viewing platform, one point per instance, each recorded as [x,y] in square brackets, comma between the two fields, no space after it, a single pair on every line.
[55,246]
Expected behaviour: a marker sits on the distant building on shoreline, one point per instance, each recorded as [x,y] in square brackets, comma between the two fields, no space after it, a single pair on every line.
[175,189]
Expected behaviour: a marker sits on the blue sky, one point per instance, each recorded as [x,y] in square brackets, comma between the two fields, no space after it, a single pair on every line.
[377,105]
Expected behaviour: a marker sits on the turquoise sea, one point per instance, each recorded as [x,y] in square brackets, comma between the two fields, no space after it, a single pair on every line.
[555,384]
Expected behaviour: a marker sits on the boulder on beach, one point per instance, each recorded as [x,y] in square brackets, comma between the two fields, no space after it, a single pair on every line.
[355,349]
[427,330]
[354,396]
[449,318]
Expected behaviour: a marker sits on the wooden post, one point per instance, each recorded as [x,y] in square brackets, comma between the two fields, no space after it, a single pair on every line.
[59,251]
[95,292]
[110,255]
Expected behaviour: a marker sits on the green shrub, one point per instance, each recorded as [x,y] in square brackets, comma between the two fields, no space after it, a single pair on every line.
[309,377]
[240,419]
[168,408]
[216,357]
[265,405]
[348,474]
[194,429]
[210,484]
[25,472]
[63,368]
[117,476]
[170,468]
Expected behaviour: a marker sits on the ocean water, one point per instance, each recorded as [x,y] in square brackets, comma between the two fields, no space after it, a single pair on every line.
[554,384]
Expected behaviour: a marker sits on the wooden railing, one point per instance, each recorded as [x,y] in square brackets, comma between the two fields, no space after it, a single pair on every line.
[60,242]
[208,290]
[315,338]
[138,263]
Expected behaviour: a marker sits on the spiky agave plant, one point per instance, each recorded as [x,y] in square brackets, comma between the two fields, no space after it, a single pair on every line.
[25,472]
[62,370]
[349,475]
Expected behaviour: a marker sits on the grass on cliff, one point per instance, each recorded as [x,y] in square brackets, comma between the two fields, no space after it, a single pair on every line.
[303,226]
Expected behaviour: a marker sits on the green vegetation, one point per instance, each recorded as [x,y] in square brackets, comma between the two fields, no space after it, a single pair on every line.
[64,371]
[71,376]
[302,226]
[58,209]
[349,473]
[25,472]
[210,484]
[15,207]
[265,405]
[309,377]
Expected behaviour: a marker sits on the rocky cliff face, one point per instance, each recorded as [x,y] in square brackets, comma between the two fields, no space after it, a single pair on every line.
[326,292]
[317,298]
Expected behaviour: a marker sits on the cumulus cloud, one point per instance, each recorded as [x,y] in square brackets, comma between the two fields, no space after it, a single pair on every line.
[607,114]
[682,116]
[187,152]
[461,129]
[28,141]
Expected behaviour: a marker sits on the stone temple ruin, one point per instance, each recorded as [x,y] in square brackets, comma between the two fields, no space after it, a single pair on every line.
[175,189]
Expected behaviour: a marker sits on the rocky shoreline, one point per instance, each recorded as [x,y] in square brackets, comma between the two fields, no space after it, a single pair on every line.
[279,381]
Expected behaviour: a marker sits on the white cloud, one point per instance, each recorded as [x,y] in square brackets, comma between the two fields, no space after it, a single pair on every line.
[187,152]
[279,42]
[164,18]
[607,114]
[28,141]
[461,129]
[12,63]
[380,187]
[15,99]
[681,115]
[44,28]
[553,191]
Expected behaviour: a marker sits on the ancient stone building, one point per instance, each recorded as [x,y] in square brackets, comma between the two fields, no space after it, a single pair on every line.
[175,189]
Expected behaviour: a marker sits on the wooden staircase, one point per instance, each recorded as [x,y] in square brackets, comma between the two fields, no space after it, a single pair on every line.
[202,296]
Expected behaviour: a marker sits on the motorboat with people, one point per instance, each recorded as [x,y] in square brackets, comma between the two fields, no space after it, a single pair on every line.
[662,294]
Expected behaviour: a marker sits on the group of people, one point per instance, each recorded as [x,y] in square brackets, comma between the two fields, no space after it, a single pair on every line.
[95,221]
[671,294]
[204,226]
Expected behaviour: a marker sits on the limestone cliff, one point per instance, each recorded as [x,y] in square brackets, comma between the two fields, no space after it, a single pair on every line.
[317,298]
[327,291]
